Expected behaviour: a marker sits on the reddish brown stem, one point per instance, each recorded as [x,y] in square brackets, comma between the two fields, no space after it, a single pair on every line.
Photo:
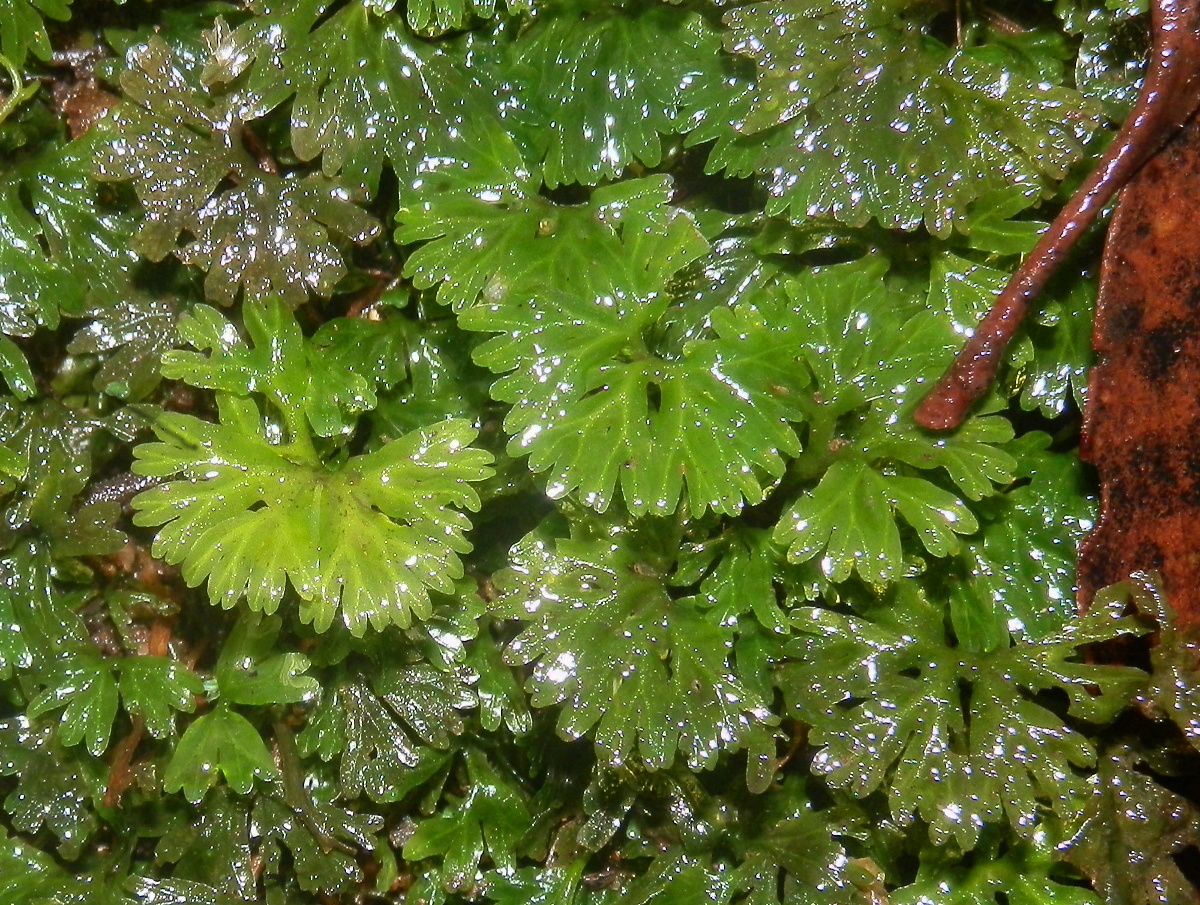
[1167,99]
[120,777]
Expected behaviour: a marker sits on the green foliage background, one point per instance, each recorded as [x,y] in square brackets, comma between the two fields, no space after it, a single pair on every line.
[461,450]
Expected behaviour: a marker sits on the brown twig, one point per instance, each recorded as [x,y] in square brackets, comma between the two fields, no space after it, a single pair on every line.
[1169,96]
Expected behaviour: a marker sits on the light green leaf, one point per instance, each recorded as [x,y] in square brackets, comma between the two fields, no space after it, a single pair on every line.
[370,536]
[250,672]
[505,240]
[221,742]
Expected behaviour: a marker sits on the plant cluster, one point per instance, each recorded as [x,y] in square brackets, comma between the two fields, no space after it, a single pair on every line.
[461,451]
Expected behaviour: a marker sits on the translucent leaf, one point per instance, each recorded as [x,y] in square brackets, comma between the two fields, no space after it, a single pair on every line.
[87,233]
[55,445]
[154,688]
[224,743]
[1021,566]
[314,864]
[378,754]
[28,876]
[437,16]
[492,818]
[849,520]
[883,121]
[1027,874]
[967,739]
[602,83]
[647,675]
[173,141]
[32,287]
[595,408]
[370,536]
[269,237]
[211,844]
[534,886]
[1132,830]
[132,338]
[427,700]
[263,235]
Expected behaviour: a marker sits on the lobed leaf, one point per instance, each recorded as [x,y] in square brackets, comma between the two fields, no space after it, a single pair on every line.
[219,743]
[369,536]
[957,738]
[878,119]
[601,84]
[24,31]
[180,145]
[491,818]
[643,672]
[57,787]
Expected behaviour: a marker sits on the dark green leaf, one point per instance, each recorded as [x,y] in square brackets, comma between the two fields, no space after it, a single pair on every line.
[491,818]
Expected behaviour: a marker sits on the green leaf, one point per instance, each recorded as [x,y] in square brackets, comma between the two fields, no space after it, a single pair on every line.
[491,818]
[57,445]
[1028,541]
[301,378]
[248,672]
[365,91]
[601,84]
[33,287]
[87,233]
[154,688]
[1133,828]
[503,239]
[378,754]
[28,876]
[595,408]
[436,16]
[314,863]
[645,673]
[880,120]
[427,700]
[132,337]
[86,690]
[534,886]
[221,742]
[24,31]
[211,844]
[967,738]
[1028,874]
[868,352]
[370,535]
[266,235]
[56,788]
[849,519]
